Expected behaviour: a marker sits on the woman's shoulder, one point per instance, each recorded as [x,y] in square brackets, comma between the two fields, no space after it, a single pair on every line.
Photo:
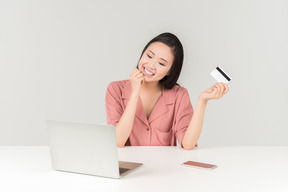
[178,89]
[119,87]
[182,97]
[119,84]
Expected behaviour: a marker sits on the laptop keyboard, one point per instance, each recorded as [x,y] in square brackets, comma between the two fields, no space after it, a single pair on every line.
[122,170]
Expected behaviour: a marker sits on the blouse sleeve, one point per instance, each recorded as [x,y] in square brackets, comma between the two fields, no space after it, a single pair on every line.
[183,114]
[113,99]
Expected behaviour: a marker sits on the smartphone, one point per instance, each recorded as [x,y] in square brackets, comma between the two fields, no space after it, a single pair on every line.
[199,165]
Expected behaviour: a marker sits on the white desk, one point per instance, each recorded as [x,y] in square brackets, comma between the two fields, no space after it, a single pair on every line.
[239,169]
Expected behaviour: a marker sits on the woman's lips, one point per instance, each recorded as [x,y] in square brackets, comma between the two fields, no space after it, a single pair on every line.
[147,72]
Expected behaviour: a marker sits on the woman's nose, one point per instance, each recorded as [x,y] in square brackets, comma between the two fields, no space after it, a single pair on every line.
[152,64]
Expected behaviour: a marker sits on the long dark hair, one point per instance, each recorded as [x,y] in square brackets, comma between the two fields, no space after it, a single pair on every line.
[174,43]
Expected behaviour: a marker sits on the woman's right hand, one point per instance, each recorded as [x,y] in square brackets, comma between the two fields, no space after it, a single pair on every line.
[136,80]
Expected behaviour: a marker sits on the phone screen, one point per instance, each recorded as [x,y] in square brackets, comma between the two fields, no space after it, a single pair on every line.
[199,165]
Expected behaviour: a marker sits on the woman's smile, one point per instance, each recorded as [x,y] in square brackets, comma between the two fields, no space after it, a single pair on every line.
[147,72]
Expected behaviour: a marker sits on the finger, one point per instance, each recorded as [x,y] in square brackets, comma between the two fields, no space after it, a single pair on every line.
[210,90]
[218,89]
[214,92]
[139,74]
[222,88]
[217,85]
[226,88]
[135,73]
[140,79]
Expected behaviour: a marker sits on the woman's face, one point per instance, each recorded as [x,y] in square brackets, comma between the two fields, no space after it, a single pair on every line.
[156,62]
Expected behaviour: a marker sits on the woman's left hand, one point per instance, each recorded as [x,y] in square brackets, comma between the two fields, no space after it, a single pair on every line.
[215,92]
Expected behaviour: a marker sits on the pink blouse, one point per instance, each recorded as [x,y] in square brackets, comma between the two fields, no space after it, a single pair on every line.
[169,118]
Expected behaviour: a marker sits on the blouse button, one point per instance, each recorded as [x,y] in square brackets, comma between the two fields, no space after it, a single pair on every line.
[147,129]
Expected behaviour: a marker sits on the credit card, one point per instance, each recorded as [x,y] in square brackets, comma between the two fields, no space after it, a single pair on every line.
[220,75]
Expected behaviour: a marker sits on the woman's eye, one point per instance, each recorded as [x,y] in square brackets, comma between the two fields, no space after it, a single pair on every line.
[149,56]
[162,64]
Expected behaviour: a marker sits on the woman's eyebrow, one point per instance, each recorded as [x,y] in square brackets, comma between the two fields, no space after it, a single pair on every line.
[160,58]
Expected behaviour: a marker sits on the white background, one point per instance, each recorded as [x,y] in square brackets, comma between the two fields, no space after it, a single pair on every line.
[57,58]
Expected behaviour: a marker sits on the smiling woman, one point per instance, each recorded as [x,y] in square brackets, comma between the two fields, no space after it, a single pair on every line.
[151,108]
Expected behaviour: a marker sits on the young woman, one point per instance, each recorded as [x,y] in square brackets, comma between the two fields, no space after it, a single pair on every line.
[151,108]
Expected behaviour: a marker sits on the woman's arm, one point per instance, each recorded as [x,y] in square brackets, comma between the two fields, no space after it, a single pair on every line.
[125,124]
[194,129]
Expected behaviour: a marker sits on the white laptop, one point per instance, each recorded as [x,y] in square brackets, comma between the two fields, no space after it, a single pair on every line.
[87,149]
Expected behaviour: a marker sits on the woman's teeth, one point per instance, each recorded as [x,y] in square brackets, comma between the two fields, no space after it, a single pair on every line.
[149,73]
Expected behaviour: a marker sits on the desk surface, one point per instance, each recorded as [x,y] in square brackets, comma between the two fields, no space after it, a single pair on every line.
[239,169]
